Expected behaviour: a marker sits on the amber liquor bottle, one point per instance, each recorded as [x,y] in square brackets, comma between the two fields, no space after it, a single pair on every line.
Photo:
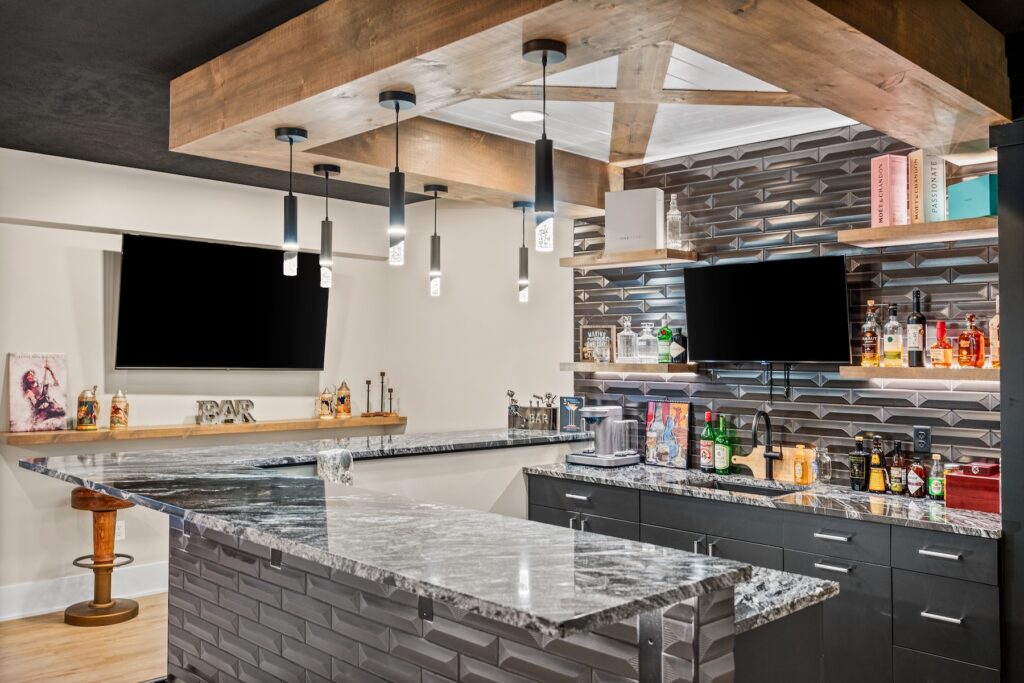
[877,474]
[898,471]
[916,326]
[971,346]
[870,338]
[941,351]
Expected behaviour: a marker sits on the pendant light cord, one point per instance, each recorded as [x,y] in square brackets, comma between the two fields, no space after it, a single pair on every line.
[396,137]
[524,226]
[544,99]
[290,144]
[327,191]
[435,212]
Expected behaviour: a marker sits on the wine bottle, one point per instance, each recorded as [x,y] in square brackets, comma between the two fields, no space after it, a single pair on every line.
[916,326]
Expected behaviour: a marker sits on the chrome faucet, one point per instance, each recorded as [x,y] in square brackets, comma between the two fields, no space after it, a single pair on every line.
[770,456]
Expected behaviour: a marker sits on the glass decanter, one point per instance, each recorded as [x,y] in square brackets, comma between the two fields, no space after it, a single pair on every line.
[673,225]
[647,344]
[626,351]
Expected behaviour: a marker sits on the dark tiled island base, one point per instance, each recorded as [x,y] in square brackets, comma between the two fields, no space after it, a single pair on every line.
[239,612]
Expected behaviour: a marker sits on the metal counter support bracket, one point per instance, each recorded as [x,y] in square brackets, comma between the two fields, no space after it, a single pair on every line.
[275,558]
[426,609]
[650,647]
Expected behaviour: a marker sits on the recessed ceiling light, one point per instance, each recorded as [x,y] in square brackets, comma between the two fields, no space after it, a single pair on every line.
[528,115]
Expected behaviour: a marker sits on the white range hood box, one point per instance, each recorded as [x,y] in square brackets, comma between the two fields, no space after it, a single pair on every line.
[634,220]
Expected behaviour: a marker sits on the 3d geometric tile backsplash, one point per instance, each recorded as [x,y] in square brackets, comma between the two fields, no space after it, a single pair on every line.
[781,199]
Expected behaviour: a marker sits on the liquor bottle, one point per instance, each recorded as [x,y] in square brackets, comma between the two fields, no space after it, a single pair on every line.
[707,444]
[673,225]
[801,466]
[870,338]
[858,466]
[647,344]
[916,326]
[678,346]
[625,350]
[917,479]
[993,336]
[664,342]
[941,350]
[898,472]
[876,467]
[723,448]
[892,347]
[936,479]
[971,346]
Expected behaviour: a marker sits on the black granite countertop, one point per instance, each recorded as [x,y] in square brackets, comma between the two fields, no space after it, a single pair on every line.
[820,499]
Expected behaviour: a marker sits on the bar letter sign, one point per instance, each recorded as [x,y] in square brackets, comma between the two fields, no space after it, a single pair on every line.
[212,412]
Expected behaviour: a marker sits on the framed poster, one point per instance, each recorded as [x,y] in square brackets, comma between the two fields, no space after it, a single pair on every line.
[37,392]
[668,434]
[592,332]
[569,419]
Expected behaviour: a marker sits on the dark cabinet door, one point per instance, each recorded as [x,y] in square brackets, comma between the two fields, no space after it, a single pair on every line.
[757,554]
[608,526]
[673,538]
[858,621]
[539,513]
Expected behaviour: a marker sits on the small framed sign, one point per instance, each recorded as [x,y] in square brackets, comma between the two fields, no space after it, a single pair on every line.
[603,335]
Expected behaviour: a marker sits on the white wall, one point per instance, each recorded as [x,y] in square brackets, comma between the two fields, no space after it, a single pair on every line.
[450,359]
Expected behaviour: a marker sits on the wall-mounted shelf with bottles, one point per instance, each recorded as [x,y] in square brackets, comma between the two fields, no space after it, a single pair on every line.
[626,368]
[961,374]
[921,233]
[624,259]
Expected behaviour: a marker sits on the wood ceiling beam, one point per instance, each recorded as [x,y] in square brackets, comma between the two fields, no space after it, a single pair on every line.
[571,93]
[476,166]
[932,74]
[641,70]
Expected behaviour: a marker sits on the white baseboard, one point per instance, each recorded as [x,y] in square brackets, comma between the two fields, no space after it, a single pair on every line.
[52,595]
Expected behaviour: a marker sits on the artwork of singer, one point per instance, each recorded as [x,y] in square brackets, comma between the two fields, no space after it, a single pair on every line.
[37,392]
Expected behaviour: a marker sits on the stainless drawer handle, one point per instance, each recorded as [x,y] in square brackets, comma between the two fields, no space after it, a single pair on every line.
[711,548]
[832,568]
[571,519]
[941,556]
[943,619]
[832,537]
[582,522]
[576,496]
[696,546]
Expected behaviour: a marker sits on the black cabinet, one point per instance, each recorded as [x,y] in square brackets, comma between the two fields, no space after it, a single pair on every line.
[759,554]
[577,496]
[911,666]
[857,623]
[585,522]
[952,555]
[731,520]
[673,538]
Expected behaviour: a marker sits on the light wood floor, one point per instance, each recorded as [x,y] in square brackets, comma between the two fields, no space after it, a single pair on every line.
[44,648]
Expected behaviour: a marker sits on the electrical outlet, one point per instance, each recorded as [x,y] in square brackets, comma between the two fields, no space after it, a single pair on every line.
[119,532]
[922,439]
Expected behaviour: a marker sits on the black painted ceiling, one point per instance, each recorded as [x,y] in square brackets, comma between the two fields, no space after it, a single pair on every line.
[89,79]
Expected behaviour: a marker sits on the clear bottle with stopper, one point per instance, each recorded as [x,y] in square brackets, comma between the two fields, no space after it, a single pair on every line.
[626,347]
[673,225]
[647,344]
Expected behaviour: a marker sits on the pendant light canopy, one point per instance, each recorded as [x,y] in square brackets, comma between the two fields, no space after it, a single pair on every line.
[524,256]
[326,227]
[290,243]
[435,244]
[544,51]
[399,101]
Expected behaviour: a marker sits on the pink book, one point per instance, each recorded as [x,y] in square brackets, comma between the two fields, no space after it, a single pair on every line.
[889,190]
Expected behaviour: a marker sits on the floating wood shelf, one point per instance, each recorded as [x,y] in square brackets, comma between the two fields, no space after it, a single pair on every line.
[660,368]
[964,374]
[625,259]
[187,430]
[921,233]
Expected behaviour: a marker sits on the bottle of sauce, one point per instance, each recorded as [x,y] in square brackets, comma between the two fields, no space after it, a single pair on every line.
[723,448]
[802,466]
[971,345]
[936,479]
[898,472]
[876,467]
[941,351]
[707,444]
[917,479]
[859,466]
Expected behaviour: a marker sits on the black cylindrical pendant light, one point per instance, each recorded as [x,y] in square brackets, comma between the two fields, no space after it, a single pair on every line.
[524,256]
[544,51]
[400,101]
[326,227]
[290,243]
[435,244]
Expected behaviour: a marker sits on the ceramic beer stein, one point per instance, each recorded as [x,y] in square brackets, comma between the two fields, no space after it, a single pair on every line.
[119,411]
[88,410]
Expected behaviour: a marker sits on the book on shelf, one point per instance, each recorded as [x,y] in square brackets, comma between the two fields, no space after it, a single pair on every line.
[889,190]
[926,187]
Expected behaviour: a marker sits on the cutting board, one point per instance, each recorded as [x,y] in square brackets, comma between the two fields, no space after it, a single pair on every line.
[782,469]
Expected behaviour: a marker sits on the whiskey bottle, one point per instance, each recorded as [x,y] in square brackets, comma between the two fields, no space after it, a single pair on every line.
[707,444]
[941,351]
[971,346]
[993,336]
[876,467]
[916,326]
[858,466]
[892,347]
[870,337]
[898,471]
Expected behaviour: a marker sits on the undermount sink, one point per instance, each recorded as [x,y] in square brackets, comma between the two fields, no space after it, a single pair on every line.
[739,488]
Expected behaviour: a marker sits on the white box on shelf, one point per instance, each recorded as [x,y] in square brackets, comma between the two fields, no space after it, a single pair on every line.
[634,220]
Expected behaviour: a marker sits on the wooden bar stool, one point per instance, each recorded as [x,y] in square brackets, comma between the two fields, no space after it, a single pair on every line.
[102,609]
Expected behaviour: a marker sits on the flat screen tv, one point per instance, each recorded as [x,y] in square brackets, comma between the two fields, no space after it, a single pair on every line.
[791,311]
[192,304]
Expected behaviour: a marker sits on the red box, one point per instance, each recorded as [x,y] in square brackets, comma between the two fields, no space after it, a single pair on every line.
[972,491]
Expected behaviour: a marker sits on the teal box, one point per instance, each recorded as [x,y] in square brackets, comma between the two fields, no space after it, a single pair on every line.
[973,198]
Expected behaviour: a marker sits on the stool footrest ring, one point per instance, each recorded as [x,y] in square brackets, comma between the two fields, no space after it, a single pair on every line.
[85,562]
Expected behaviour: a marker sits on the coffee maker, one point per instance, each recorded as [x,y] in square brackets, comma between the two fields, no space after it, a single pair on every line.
[615,439]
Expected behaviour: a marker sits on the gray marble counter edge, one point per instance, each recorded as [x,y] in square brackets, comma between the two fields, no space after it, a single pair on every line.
[753,609]
[580,624]
[778,503]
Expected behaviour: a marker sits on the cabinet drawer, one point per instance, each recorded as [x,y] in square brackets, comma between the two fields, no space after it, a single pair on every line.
[608,526]
[857,623]
[911,666]
[539,513]
[564,494]
[845,538]
[673,538]
[758,554]
[952,555]
[947,617]
[732,520]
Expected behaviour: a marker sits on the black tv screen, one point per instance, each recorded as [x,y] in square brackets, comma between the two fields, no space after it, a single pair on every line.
[191,304]
[791,311]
